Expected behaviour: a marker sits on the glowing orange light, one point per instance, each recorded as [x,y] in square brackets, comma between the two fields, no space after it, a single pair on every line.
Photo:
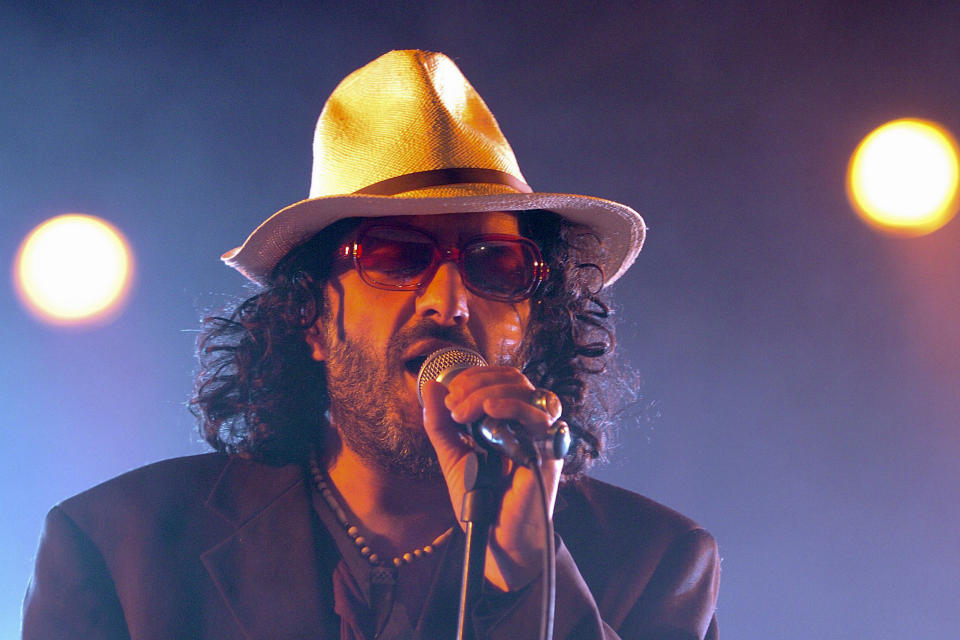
[903,177]
[73,269]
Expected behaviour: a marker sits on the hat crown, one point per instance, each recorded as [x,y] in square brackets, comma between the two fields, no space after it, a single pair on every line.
[405,112]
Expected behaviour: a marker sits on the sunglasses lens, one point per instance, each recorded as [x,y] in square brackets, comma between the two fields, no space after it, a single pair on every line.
[394,256]
[497,267]
[500,269]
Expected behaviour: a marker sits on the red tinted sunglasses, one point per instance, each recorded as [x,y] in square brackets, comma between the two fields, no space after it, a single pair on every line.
[396,258]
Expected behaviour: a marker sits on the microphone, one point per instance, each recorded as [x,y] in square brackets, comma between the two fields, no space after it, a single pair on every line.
[499,436]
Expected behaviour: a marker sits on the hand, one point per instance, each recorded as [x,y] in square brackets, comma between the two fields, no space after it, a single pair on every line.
[514,550]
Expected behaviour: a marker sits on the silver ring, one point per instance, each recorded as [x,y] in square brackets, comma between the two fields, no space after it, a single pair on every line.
[545,447]
[540,398]
[557,443]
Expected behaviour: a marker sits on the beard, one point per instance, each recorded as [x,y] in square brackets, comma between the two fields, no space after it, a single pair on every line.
[372,406]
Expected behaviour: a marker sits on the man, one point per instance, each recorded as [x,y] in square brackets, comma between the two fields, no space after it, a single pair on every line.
[329,509]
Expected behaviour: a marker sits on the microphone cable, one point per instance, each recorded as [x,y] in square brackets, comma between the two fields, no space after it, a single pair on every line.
[549,591]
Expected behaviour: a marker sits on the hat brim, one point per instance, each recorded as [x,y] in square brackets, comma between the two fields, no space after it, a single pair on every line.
[620,228]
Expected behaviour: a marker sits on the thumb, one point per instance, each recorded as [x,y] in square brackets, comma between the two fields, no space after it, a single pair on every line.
[443,431]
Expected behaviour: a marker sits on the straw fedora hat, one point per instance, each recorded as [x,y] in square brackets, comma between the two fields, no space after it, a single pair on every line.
[408,135]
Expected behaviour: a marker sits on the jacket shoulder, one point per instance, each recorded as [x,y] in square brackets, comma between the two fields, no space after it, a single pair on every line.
[607,509]
[180,492]
[621,540]
[166,491]
[152,481]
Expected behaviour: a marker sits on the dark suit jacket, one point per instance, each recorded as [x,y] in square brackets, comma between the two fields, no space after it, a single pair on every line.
[216,547]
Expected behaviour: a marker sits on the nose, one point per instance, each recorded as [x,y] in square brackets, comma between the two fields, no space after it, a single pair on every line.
[444,298]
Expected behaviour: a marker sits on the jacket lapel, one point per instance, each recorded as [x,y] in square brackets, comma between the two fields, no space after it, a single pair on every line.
[274,570]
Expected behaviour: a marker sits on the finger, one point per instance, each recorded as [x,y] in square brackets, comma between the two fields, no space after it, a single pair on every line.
[474,378]
[470,408]
[533,420]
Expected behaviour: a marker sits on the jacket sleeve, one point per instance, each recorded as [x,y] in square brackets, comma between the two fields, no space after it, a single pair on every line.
[676,604]
[71,593]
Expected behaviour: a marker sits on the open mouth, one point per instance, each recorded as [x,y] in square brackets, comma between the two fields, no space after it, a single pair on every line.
[413,364]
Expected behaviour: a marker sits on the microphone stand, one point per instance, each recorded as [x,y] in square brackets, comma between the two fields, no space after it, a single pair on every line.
[485,486]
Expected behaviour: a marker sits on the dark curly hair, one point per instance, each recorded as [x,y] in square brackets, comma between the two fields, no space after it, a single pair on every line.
[259,394]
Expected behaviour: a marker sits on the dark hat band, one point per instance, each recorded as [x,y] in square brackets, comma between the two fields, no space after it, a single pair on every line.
[442,177]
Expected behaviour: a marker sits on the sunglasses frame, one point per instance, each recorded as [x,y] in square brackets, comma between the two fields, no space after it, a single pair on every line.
[353,251]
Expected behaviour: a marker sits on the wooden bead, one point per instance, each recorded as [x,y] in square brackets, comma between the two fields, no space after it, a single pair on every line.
[354,531]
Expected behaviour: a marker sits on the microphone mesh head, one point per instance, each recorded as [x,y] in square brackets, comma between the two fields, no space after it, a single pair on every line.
[441,363]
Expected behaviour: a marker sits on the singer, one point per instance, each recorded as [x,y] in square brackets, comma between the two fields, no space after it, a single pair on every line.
[330,505]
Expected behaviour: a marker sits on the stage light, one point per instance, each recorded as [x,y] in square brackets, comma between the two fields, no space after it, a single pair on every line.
[903,177]
[73,269]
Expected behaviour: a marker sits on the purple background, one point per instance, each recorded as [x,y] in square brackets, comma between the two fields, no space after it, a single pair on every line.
[803,369]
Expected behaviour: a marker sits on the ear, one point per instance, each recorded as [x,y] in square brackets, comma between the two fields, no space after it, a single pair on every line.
[315,343]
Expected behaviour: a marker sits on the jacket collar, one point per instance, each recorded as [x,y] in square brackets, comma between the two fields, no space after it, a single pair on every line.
[245,488]
[269,570]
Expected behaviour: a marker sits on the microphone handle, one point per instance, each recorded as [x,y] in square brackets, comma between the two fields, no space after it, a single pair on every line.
[501,436]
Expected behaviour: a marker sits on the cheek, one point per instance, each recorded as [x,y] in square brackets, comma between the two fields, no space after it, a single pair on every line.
[368,313]
[506,330]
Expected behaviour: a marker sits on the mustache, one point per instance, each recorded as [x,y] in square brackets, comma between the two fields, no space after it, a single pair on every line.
[427,329]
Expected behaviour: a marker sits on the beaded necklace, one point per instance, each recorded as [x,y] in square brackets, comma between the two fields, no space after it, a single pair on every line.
[323,485]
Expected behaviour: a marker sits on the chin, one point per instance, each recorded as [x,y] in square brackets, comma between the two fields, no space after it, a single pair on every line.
[419,467]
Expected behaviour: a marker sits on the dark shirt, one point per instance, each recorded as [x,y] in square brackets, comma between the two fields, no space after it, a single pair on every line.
[382,602]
